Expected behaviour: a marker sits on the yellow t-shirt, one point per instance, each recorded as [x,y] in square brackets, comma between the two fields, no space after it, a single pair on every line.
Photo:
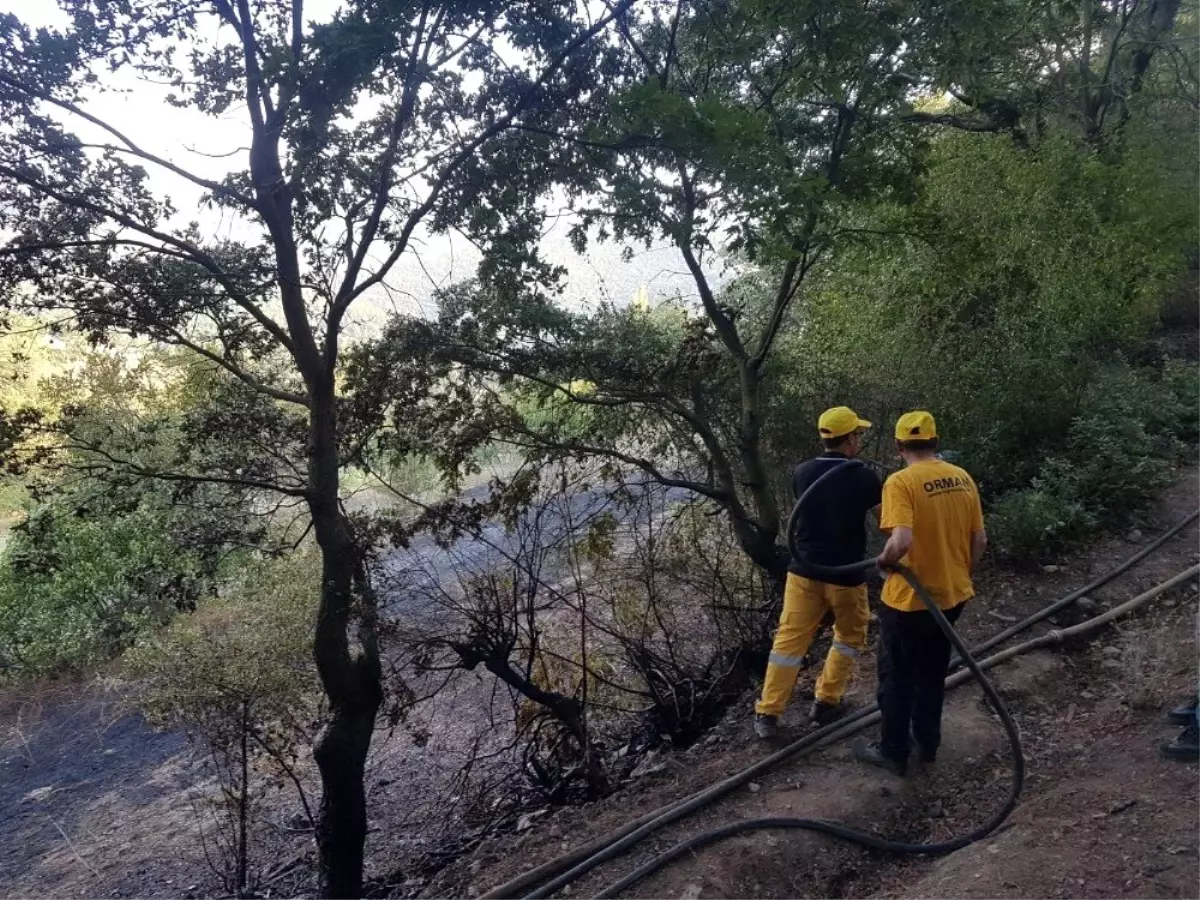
[940,503]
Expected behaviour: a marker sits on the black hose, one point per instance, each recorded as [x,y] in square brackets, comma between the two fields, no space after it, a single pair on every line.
[845,832]
[836,829]
[820,737]
[1070,598]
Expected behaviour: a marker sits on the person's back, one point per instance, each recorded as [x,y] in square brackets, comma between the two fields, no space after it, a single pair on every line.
[934,521]
[832,531]
[829,533]
[940,503]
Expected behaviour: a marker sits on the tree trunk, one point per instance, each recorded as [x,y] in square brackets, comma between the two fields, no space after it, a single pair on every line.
[243,850]
[568,711]
[764,551]
[349,669]
[341,754]
[350,672]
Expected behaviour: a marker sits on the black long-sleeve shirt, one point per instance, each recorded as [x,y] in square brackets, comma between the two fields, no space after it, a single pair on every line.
[831,530]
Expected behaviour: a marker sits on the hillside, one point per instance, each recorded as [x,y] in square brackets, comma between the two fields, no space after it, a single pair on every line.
[97,805]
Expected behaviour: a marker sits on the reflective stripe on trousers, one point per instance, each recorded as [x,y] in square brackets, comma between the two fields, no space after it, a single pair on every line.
[791,662]
[805,602]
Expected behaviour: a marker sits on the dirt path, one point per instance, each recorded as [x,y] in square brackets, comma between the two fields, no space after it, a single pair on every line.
[1102,814]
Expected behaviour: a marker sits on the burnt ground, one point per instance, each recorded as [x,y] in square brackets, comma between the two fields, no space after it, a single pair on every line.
[75,771]
[94,803]
[1102,814]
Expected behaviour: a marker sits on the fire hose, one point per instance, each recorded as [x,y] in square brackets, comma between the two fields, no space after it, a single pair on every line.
[585,859]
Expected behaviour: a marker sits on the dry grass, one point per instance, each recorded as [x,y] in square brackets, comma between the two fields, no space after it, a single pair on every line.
[1154,652]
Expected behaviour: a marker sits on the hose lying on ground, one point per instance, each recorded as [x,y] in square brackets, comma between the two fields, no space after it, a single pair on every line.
[872,841]
[1070,598]
[831,828]
[586,857]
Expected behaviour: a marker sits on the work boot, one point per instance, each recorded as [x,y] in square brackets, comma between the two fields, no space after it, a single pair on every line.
[766,727]
[926,756]
[872,754]
[1186,746]
[825,713]
[1183,715]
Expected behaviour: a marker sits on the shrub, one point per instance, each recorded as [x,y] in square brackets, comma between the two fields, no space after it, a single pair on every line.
[1035,523]
[1182,383]
[1112,468]
[1117,456]
[238,676]
[75,591]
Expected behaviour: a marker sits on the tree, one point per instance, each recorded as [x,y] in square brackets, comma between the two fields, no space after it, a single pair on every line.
[1082,67]
[390,118]
[238,677]
[102,554]
[758,138]
[748,134]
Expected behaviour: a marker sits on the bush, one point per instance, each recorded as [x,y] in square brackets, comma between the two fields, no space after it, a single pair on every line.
[1035,523]
[1117,456]
[76,591]
[89,570]
[998,302]
[1182,383]
[238,676]
[1112,468]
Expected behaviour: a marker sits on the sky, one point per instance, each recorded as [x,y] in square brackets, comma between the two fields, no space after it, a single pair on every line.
[203,144]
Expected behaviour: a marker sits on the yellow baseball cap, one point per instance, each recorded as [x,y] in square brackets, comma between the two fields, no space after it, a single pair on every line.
[839,421]
[917,425]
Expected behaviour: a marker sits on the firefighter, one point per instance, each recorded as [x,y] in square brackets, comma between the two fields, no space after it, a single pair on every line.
[934,522]
[831,533]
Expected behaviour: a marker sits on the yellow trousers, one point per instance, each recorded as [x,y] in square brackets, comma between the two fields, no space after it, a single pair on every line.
[805,603]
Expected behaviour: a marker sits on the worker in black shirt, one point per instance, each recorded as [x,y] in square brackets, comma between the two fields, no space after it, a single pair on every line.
[831,532]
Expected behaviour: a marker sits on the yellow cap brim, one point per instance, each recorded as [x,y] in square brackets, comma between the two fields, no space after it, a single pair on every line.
[863,425]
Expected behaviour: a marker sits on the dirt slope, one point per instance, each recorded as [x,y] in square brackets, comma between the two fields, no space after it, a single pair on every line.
[1102,815]
[93,803]
[91,799]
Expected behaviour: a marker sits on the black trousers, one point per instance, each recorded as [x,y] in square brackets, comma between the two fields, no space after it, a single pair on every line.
[913,656]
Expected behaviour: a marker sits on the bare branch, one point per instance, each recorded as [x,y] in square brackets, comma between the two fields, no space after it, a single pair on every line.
[189,250]
[130,147]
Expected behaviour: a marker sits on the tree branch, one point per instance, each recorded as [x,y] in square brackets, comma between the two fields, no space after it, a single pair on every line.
[130,147]
[721,321]
[404,113]
[144,472]
[537,442]
[466,152]
[189,250]
[950,120]
[238,372]
[255,84]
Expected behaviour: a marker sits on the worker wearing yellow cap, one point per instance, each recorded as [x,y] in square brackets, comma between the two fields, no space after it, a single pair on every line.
[934,520]
[831,533]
